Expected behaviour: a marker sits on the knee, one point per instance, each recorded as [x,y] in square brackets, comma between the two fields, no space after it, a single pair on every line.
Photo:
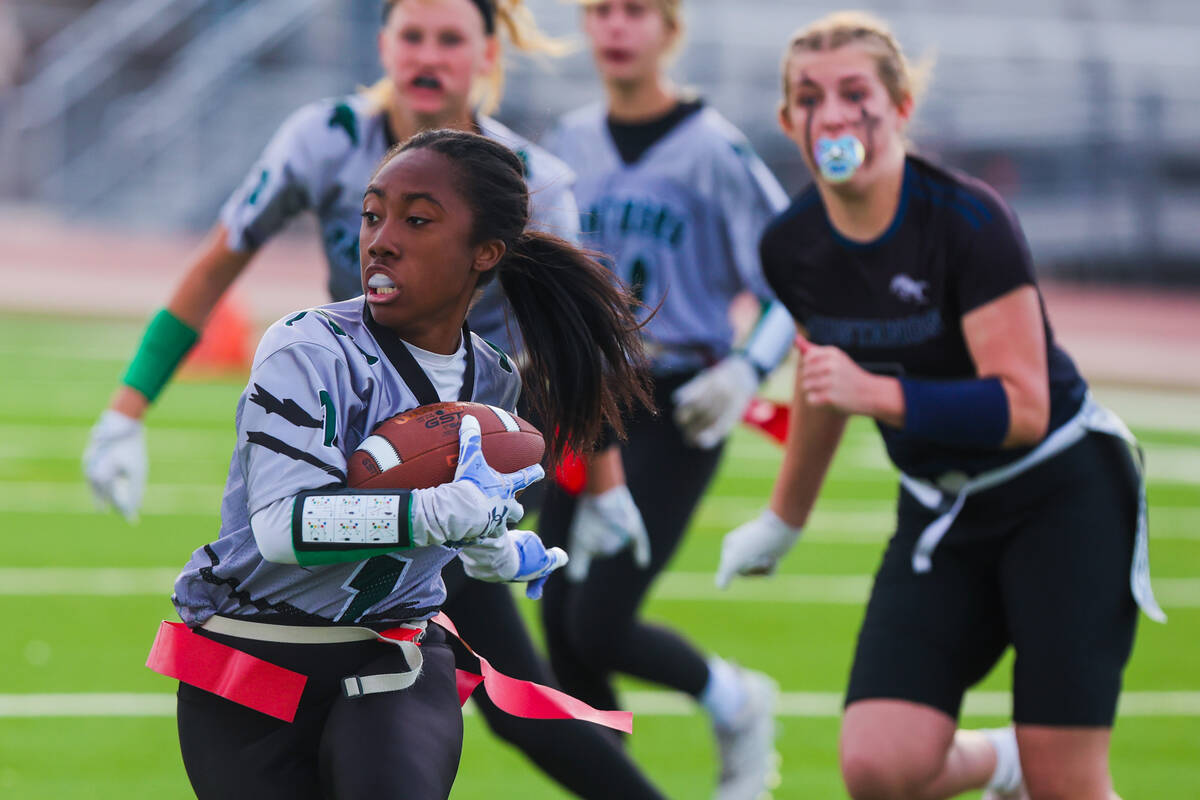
[1065,764]
[872,774]
[594,645]
[1052,784]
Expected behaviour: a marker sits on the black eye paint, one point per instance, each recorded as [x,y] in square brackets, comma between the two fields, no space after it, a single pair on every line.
[870,124]
[809,110]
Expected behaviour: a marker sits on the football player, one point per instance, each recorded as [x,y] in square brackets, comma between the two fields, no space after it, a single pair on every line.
[673,196]
[1021,517]
[306,572]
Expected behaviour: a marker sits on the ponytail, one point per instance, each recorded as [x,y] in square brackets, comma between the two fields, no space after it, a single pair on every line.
[585,366]
[585,363]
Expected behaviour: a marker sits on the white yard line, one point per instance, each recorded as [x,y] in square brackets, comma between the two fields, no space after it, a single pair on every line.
[674,586]
[838,521]
[844,589]
[643,703]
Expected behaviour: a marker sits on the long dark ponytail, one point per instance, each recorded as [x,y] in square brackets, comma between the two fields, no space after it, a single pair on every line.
[584,363]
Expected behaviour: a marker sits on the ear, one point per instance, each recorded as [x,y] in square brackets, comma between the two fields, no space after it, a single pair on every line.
[785,120]
[488,255]
[905,108]
[491,54]
[381,46]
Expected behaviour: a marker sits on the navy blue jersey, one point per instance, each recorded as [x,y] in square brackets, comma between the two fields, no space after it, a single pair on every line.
[895,305]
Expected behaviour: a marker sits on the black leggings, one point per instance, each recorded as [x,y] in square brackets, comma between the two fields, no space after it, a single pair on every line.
[592,628]
[397,744]
[581,756]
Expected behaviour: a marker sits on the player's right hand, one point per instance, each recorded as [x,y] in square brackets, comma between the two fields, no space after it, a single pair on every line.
[478,503]
[115,463]
[755,547]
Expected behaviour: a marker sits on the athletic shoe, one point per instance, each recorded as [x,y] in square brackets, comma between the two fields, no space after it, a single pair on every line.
[749,762]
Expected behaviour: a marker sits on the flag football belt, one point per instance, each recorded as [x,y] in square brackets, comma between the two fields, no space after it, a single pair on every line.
[181,653]
[948,494]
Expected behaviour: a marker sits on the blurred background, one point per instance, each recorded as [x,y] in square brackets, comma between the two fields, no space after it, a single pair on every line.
[1084,113]
[124,124]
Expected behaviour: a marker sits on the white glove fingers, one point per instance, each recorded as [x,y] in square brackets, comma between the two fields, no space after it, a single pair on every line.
[558,558]
[470,444]
[523,479]
[516,512]
[641,548]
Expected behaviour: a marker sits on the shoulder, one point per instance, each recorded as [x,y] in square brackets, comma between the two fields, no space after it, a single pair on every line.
[542,169]
[974,205]
[323,333]
[795,224]
[722,137]
[586,119]
[331,124]
[500,370]
[731,153]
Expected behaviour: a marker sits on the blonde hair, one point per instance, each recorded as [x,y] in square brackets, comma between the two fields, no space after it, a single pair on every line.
[903,80]
[671,10]
[516,22]
[672,14]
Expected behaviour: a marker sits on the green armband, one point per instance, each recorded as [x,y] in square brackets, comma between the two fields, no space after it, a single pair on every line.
[166,341]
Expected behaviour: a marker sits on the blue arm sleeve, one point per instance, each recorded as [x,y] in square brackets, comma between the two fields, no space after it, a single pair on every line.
[963,413]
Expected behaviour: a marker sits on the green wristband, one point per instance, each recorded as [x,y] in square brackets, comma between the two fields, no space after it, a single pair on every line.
[166,341]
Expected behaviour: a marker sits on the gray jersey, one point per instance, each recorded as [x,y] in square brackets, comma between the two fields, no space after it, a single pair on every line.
[321,158]
[682,223]
[321,380]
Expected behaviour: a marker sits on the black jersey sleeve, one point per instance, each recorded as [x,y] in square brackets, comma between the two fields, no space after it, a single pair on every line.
[996,255]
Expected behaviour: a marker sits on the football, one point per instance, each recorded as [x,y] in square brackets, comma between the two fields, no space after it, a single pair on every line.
[419,448]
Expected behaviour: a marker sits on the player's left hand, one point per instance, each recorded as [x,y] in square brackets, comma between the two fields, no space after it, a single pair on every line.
[709,405]
[755,547]
[604,525]
[515,556]
[831,379]
[115,463]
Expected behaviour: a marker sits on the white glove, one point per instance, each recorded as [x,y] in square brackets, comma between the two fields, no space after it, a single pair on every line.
[115,463]
[709,405]
[479,502]
[514,556]
[604,525]
[755,547]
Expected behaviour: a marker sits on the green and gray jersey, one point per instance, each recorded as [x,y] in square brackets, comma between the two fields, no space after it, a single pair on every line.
[680,224]
[320,160]
[321,381]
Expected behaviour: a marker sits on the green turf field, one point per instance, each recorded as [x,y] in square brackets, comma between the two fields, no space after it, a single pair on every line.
[85,627]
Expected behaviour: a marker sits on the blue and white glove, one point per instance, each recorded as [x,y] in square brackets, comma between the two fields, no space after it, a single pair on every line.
[478,503]
[711,404]
[514,556]
[755,547]
[604,525]
[115,463]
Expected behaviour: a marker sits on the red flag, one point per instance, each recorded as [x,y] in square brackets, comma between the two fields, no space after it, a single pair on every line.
[769,417]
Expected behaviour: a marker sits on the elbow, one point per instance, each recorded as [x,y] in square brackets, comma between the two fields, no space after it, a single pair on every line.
[274,540]
[1029,416]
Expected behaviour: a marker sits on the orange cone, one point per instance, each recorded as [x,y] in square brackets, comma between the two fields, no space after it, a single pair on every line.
[226,344]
